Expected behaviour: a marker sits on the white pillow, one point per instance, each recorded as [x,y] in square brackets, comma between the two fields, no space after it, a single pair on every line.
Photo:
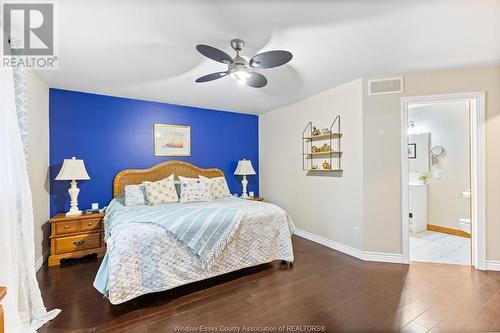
[161,192]
[193,189]
[217,187]
[135,195]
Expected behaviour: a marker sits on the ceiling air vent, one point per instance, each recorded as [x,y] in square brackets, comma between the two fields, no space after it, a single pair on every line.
[393,85]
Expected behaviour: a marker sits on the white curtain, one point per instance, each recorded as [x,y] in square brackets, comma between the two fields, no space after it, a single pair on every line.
[23,305]
[21,96]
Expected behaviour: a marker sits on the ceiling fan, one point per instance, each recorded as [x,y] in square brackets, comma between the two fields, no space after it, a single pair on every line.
[240,68]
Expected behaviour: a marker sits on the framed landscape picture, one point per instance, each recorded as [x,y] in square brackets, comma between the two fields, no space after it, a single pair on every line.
[172,140]
[412,150]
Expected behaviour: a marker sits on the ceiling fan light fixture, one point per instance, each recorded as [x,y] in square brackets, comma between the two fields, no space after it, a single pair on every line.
[239,71]
[241,82]
[240,75]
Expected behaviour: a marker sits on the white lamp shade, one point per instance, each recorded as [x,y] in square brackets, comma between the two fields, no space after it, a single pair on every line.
[73,169]
[244,168]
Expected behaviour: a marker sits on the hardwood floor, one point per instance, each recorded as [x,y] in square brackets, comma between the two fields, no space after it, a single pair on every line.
[324,287]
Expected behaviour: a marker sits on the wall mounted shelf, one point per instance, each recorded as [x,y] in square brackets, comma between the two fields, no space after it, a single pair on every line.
[323,136]
[334,153]
[329,141]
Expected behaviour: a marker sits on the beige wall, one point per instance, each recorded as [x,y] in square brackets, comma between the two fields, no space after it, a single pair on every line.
[38,138]
[381,153]
[330,206]
[368,195]
[448,125]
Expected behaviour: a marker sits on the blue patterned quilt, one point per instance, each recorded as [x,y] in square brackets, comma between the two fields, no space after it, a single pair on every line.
[205,229]
[157,248]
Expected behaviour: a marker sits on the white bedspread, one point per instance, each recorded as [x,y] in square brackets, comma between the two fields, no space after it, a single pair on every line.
[145,258]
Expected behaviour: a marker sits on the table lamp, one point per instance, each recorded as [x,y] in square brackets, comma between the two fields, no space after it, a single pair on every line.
[73,169]
[244,168]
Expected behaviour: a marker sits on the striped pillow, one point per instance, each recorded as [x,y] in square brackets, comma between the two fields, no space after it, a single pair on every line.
[135,195]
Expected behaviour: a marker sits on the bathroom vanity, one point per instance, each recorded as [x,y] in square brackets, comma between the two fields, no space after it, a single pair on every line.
[417,197]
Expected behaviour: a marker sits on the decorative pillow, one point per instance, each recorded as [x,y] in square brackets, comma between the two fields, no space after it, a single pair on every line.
[120,199]
[217,187]
[135,195]
[178,188]
[161,192]
[193,189]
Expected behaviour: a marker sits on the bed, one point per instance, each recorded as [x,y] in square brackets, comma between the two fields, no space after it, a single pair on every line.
[143,256]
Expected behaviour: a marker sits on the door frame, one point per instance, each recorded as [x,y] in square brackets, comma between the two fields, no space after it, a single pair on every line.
[478,171]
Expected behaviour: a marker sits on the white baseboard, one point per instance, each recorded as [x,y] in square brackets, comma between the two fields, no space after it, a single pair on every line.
[353,252]
[383,257]
[41,260]
[492,265]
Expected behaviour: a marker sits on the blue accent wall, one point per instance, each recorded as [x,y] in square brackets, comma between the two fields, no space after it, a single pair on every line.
[112,133]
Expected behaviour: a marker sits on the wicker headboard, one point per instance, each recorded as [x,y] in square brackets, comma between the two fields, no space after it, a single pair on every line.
[160,171]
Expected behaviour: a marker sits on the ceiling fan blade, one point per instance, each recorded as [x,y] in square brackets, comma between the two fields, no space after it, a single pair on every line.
[256,80]
[211,77]
[214,54]
[271,59]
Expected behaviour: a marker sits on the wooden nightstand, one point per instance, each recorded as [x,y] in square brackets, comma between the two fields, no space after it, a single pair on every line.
[76,236]
[3,292]
[255,198]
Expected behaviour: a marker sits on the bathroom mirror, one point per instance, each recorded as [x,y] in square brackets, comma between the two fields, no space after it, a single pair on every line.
[437,150]
[418,152]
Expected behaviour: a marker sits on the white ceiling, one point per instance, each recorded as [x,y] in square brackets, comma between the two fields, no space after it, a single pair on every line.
[146,49]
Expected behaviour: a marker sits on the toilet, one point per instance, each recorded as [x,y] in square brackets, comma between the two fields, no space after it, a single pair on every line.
[464,225]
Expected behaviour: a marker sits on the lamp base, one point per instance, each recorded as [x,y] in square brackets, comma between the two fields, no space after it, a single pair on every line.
[74,212]
[73,193]
[244,183]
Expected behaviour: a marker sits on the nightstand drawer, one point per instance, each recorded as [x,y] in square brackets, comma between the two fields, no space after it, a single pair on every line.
[77,243]
[90,224]
[76,236]
[69,227]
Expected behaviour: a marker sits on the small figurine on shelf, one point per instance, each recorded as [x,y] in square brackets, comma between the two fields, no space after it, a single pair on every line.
[326,165]
[325,148]
[325,131]
[314,167]
[315,131]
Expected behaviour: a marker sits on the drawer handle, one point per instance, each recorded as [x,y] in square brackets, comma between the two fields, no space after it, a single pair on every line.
[90,223]
[66,226]
[79,243]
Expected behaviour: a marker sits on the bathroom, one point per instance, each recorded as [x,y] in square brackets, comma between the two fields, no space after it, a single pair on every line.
[439,182]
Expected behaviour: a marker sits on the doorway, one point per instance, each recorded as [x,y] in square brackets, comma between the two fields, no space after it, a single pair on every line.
[442,154]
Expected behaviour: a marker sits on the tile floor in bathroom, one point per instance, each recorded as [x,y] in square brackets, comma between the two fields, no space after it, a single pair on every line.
[431,246]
